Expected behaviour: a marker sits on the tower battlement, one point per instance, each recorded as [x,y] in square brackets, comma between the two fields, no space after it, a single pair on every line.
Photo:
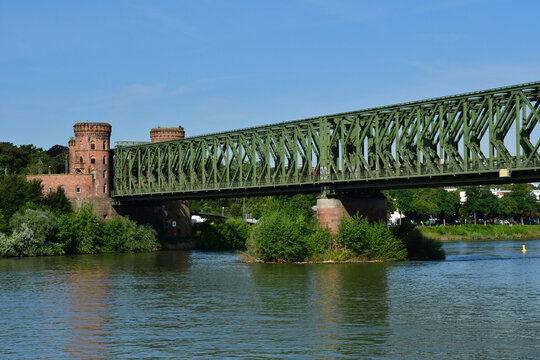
[166,133]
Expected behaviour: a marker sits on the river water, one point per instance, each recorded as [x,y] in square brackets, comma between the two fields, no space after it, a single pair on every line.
[482,302]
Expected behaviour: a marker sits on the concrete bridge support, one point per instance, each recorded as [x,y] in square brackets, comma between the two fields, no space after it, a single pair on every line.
[332,208]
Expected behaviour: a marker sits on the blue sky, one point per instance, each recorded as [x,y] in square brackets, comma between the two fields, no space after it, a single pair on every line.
[220,65]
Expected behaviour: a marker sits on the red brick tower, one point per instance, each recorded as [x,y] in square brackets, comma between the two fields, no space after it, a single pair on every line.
[166,133]
[89,153]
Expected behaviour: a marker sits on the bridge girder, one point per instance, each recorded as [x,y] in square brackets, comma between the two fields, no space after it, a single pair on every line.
[454,140]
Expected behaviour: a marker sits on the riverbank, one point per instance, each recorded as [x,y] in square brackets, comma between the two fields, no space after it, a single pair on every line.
[480,232]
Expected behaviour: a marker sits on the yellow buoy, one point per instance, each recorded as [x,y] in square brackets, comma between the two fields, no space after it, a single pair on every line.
[523,250]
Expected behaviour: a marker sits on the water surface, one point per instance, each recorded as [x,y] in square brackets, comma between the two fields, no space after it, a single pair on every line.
[483,302]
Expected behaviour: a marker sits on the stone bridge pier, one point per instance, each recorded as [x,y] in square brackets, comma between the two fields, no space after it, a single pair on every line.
[332,208]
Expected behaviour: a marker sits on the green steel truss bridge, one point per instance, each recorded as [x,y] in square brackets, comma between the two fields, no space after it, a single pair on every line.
[483,137]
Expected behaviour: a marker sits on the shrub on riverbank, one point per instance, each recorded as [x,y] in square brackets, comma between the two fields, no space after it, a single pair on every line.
[372,241]
[229,234]
[284,235]
[40,232]
[280,237]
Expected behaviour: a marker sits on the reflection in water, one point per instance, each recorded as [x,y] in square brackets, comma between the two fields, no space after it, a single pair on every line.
[89,309]
[340,309]
[353,307]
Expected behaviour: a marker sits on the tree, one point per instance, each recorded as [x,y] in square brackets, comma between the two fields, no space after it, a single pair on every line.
[80,232]
[448,203]
[15,191]
[489,203]
[390,203]
[57,201]
[524,201]
[472,204]
[424,202]
[507,206]
[404,201]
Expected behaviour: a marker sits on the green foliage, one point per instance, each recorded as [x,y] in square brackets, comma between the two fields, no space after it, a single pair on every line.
[522,199]
[43,227]
[417,204]
[15,191]
[29,159]
[425,205]
[42,222]
[448,203]
[417,245]
[480,200]
[121,234]
[57,201]
[321,241]
[20,243]
[281,234]
[80,232]
[229,234]
[3,222]
[391,205]
[374,241]
[255,206]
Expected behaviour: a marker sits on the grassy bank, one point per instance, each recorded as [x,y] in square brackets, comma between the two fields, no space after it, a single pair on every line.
[480,232]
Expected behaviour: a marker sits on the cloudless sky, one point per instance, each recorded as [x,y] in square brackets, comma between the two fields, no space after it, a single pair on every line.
[221,65]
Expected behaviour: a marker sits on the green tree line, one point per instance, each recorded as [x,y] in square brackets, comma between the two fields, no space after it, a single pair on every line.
[29,159]
[422,204]
[32,225]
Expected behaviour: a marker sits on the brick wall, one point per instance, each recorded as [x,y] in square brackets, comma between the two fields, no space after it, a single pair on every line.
[70,183]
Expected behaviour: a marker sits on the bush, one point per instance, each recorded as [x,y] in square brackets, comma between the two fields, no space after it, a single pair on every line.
[321,241]
[124,235]
[80,232]
[373,241]
[21,243]
[280,236]
[57,201]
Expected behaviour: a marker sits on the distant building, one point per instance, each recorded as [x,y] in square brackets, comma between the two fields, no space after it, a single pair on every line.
[88,177]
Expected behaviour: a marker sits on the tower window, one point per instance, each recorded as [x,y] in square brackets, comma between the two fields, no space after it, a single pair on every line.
[81,160]
[104,159]
[78,190]
[105,174]
[104,145]
[105,189]
[92,146]
[93,160]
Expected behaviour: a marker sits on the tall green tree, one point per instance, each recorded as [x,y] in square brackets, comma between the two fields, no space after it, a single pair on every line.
[15,192]
[57,201]
[448,203]
[521,200]
[425,205]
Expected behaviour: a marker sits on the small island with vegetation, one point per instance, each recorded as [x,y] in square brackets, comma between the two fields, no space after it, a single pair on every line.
[288,231]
